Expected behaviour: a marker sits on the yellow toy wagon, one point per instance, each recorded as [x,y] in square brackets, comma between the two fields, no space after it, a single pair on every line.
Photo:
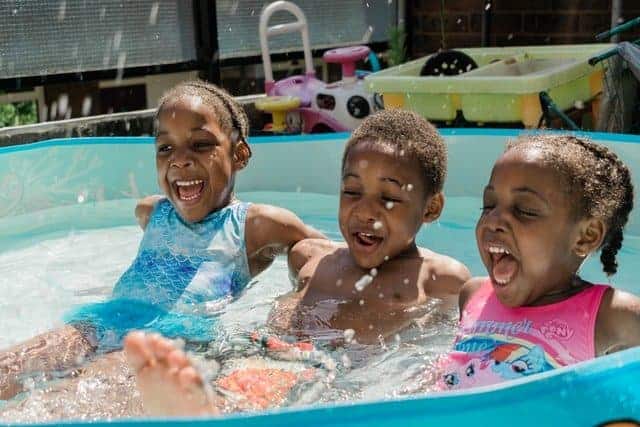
[504,88]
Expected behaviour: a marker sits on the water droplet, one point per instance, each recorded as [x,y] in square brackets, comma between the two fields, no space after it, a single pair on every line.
[363,282]
[62,10]
[406,281]
[459,21]
[370,327]
[487,6]
[86,106]
[153,15]
[63,104]
[196,102]
[579,104]
[234,7]
[377,225]
[103,13]
[373,272]
[117,38]
[14,12]
[122,59]
[389,205]
[380,295]
[402,152]
[361,302]
[386,257]
[510,36]
[433,277]
[409,187]
[346,362]
[339,282]
[81,198]
[349,334]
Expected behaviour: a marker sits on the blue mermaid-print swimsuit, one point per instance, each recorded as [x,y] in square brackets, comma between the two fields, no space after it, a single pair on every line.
[183,275]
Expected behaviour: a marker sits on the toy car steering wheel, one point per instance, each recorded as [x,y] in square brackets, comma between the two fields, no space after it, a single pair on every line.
[278,106]
[347,57]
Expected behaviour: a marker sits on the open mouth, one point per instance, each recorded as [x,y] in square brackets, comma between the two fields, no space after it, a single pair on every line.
[503,264]
[188,191]
[367,241]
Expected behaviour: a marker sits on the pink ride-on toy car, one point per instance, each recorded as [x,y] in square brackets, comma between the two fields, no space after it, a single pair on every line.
[304,103]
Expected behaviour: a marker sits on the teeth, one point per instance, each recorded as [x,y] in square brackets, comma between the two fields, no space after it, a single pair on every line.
[366,235]
[501,282]
[498,250]
[190,197]
[186,183]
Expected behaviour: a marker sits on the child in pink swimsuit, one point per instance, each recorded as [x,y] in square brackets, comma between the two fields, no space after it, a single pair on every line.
[551,201]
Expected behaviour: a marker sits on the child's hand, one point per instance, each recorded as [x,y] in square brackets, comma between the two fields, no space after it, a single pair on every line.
[144,208]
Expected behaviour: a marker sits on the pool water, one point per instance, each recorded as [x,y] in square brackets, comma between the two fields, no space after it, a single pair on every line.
[50,270]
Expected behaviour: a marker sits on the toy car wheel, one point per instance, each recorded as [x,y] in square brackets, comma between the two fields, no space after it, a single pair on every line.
[358,107]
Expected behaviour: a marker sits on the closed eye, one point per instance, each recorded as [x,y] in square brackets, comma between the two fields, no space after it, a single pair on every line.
[526,213]
[391,199]
[163,148]
[203,145]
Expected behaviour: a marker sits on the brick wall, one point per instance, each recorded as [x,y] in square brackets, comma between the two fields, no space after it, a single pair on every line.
[513,22]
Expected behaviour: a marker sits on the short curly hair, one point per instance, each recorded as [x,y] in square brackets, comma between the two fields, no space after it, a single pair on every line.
[409,134]
[597,180]
[231,116]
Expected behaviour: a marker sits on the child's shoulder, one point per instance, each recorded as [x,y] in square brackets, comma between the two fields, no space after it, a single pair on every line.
[145,206]
[618,320]
[445,270]
[469,288]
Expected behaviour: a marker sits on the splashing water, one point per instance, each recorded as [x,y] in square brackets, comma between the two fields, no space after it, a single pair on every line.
[153,14]
[363,282]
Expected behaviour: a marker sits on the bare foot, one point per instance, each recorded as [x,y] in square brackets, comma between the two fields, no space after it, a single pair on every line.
[167,380]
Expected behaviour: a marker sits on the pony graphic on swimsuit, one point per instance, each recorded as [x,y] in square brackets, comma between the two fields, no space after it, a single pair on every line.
[494,362]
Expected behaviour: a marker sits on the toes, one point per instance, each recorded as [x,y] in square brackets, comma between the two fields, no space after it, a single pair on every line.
[177,359]
[160,346]
[189,378]
[137,350]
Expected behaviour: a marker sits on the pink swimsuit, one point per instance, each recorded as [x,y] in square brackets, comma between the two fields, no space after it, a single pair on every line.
[497,343]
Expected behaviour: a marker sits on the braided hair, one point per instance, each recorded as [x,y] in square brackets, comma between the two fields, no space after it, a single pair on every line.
[231,116]
[599,182]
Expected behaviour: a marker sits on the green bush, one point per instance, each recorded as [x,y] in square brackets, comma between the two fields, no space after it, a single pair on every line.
[18,113]
[397,48]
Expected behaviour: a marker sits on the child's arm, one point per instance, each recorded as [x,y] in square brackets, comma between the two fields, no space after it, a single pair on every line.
[144,208]
[618,322]
[302,252]
[451,274]
[270,231]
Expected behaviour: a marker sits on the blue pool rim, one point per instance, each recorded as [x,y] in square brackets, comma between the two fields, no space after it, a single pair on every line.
[417,410]
[603,375]
[144,140]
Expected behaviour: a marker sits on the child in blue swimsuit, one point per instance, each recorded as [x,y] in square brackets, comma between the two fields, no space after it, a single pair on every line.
[201,245]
